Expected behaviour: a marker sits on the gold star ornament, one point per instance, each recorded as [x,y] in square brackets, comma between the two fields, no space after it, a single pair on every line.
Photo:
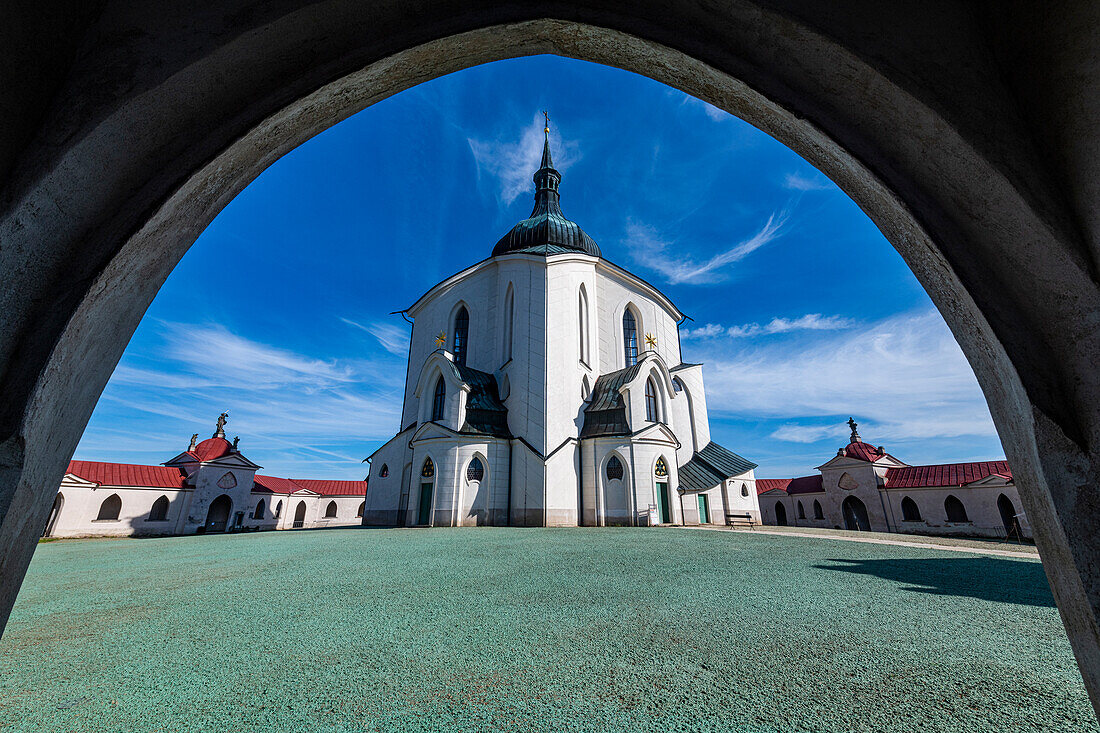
[441,339]
[651,341]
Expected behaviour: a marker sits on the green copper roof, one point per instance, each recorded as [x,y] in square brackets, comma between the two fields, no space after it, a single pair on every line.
[711,466]
[546,231]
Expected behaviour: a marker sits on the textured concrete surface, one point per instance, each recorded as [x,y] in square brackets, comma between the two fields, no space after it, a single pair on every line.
[968,131]
[532,630]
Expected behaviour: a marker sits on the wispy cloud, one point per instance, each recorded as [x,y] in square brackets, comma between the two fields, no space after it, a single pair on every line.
[296,415]
[902,378]
[512,162]
[658,253]
[801,182]
[391,337]
[808,322]
[707,108]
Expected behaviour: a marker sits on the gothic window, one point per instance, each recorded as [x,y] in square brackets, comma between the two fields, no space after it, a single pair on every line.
[110,508]
[909,510]
[630,338]
[818,514]
[428,469]
[650,400]
[359,511]
[461,335]
[509,317]
[744,489]
[439,401]
[279,509]
[614,469]
[801,510]
[661,471]
[476,470]
[330,510]
[582,325]
[260,509]
[677,385]
[384,471]
[159,512]
[956,512]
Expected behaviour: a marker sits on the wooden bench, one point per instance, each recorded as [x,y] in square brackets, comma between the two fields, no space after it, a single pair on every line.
[740,520]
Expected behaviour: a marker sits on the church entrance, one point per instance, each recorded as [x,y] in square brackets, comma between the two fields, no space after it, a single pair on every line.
[1008,516]
[855,515]
[424,515]
[217,517]
[704,510]
[664,507]
[58,502]
[299,516]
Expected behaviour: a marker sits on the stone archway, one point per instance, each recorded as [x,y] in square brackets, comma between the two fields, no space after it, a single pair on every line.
[217,517]
[984,183]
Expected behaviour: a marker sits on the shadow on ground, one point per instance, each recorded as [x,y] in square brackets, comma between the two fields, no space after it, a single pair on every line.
[986,578]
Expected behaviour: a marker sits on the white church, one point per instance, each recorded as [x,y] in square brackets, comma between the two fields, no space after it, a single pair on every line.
[545,387]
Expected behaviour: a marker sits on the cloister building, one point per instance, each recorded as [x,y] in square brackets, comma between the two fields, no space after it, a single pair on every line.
[210,487]
[545,387]
[865,488]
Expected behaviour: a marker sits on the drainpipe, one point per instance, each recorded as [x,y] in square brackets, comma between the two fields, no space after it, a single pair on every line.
[680,491]
[511,468]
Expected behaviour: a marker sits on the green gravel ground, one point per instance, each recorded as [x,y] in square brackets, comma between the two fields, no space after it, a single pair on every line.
[532,630]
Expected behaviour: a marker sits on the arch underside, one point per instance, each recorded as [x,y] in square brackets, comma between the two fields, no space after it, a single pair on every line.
[913,111]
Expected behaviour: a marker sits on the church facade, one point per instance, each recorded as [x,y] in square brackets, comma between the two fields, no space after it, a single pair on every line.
[865,488]
[210,487]
[545,387]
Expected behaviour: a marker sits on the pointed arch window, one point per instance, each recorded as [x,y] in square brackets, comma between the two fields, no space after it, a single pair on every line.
[330,510]
[910,512]
[630,338]
[439,401]
[651,414]
[476,470]
[384,472]
[677,385]
[818,514]
[279,509]
[461,338]
[955,510]
[428,469]
[801,510]
[661,469]
[110,508]
[260,510]
[159,512]
[509,318]
[614,469]
[582,323]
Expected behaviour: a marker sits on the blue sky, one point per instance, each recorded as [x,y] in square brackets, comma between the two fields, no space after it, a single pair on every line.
[802,312]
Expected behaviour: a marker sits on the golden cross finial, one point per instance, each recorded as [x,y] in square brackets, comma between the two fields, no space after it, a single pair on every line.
[546,115]
[651,341]
[441,339]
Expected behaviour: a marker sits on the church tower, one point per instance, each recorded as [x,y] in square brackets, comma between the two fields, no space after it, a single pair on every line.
[545,388]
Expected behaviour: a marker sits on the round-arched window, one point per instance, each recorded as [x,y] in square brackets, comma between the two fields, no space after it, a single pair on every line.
[384,471]
[661,470]
[476,470]
[428,470]
[614,469]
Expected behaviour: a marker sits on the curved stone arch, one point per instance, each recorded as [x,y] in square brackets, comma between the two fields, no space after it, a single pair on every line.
[607,485]
[671,465]
[484,464]
[968,205]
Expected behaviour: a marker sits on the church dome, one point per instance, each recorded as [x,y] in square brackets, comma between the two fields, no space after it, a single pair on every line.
[212,448]
[546,231]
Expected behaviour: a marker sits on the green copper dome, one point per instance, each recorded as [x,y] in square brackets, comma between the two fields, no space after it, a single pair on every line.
[546,231]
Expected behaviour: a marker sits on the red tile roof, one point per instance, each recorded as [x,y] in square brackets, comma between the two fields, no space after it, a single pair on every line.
[127,474]
[801,485]
[864,452]
[947,474]
[323,487]
[333,488]
[212,448]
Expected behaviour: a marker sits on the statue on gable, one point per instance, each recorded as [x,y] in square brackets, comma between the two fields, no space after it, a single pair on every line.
[222,419]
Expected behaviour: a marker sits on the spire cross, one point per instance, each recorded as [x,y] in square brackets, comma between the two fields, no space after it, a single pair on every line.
[546,116]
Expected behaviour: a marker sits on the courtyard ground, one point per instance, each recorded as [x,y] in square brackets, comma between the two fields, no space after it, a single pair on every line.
[533,630]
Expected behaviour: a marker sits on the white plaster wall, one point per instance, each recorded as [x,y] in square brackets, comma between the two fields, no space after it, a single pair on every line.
[78,515]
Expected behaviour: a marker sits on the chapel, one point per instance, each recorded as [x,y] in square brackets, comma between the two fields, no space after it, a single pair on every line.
[545,387]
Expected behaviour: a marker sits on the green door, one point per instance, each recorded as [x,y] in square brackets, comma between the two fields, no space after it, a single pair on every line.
[662,503]
[425,503]
[704,514]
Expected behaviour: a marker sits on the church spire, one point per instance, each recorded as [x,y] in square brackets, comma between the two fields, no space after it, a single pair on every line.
[546,179]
